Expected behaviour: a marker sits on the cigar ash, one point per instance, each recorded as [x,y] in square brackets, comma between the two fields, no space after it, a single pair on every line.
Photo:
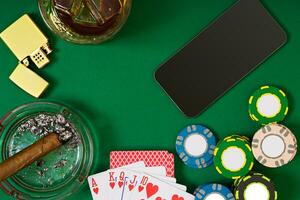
[57,165]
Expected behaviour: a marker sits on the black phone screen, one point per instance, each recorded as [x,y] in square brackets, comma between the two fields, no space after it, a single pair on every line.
[220,56]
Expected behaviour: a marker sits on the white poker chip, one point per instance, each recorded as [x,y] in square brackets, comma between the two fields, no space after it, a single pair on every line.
[274,145]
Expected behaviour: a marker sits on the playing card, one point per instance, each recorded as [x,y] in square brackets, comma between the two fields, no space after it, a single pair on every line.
[126,181]
[155,171]
[102,183]
[118,179]
[95,187]
[168,180]
[151,159]
[179,186]
[132,186]
[151,188]
[98,186]
[159,172]
[138,164]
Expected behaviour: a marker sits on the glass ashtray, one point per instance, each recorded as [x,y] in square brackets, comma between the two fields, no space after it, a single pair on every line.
[85,21]
[58,174]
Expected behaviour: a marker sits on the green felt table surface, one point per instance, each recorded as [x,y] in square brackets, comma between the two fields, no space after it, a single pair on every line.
[112,84]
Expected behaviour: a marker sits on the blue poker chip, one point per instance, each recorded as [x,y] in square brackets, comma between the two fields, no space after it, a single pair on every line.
[213,191]
[195,145]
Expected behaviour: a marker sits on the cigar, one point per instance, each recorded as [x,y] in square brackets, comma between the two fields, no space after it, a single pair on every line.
[32,153]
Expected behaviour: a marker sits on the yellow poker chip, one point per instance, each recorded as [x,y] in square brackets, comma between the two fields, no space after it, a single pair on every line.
[274,145]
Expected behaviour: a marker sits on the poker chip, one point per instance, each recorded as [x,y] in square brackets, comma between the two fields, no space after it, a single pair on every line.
[274,145]
[268,104]
[213,192]
[238,137]
[255,187]
[195,145]
[233,157]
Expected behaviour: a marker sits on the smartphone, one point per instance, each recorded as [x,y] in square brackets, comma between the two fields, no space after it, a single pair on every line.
[220,56]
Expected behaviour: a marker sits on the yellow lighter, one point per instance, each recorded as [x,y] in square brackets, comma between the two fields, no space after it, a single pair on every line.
[26,41]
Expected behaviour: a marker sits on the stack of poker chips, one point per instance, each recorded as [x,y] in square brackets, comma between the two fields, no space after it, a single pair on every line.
[195,145]
[213,191]
[233,157]
[254,186]
[273,145]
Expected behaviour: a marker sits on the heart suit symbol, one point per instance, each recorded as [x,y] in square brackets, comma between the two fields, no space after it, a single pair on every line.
[96,190]
[151,190]
[141,188]
[112,185]
[176,197]
[130,187]
[120,183]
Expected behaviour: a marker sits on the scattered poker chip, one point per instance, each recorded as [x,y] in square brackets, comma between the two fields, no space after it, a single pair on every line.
[195,145]
[268,104]
[274,145]
[233,157]
[254,187]
[213,192]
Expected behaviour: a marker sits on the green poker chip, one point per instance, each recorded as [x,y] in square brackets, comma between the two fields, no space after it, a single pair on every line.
[233,158]
[267,105]
[238,137]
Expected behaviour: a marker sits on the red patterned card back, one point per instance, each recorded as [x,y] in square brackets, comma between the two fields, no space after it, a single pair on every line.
[151,159]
